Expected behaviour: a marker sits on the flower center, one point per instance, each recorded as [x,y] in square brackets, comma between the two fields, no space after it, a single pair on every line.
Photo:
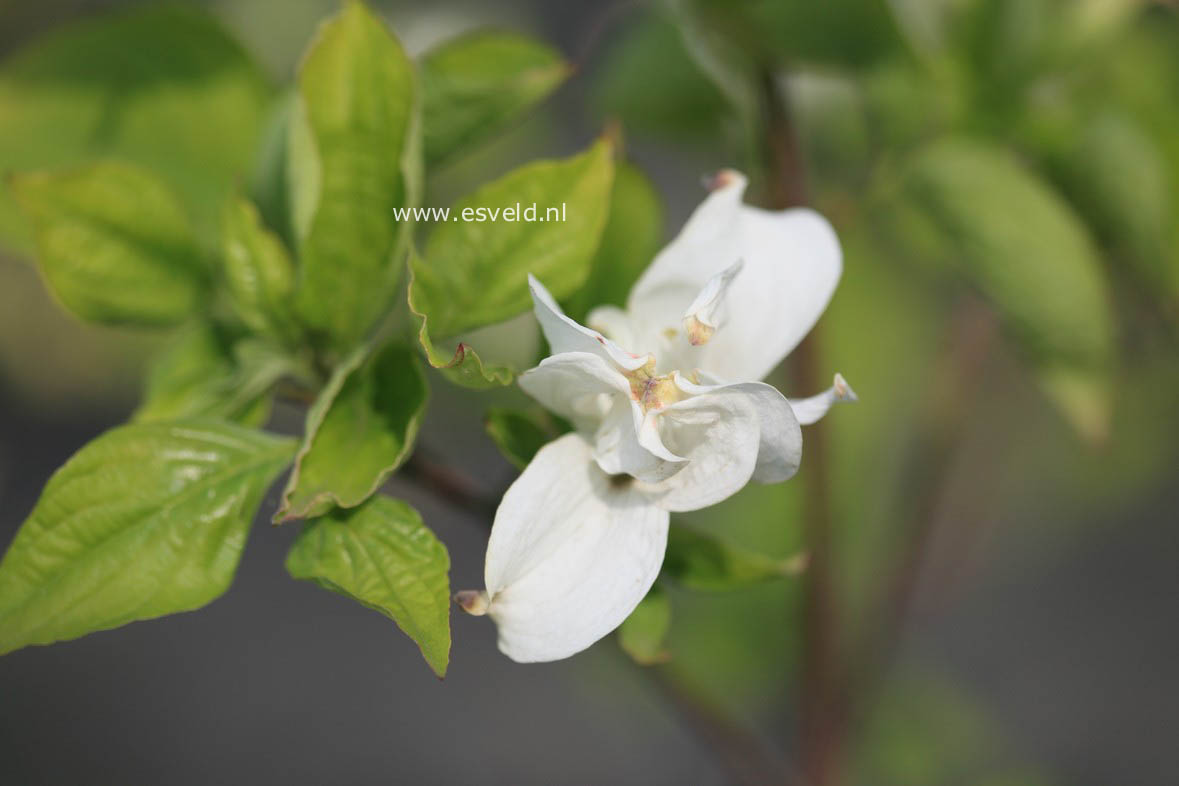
[652,391]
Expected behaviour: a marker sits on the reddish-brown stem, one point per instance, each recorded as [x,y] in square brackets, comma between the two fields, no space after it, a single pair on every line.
[822,700]
[950,396]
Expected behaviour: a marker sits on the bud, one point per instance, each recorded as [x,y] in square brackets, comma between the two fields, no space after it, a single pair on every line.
[474,602]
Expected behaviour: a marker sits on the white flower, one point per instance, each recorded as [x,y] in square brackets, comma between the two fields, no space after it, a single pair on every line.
[670,423]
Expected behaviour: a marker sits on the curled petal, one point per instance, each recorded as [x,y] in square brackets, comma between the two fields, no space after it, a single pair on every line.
[572,552]
[719,434]
[779,450]
[792,262]
[579,386]
[565,335]
[628,442]
[809,410]
[704,315]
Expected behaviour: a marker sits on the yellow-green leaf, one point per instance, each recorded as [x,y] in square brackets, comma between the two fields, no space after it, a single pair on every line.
[360,429]
[114,244]
[148,519]
[475,273]
[354,160]
[382,555]
[478,83]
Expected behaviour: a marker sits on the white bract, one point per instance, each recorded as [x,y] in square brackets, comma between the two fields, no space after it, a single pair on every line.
[666,418]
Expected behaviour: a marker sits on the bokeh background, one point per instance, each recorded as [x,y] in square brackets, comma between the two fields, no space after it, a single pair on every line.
[1003,541]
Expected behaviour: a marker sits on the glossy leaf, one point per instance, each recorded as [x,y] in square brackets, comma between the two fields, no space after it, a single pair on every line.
[477,84]
[148,519]
[519,434]
[702,562]
[354,160]
[258,271]
[474,273]
[643,636]
[160,85]
[114,244]
[381,555]
[360,429]
[632,237]
[1025,251]
[207,373]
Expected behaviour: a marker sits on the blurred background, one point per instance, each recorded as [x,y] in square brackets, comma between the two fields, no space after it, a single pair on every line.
[993,592]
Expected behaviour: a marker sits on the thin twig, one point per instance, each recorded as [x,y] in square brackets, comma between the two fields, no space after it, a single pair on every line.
[950,402]
[449,485]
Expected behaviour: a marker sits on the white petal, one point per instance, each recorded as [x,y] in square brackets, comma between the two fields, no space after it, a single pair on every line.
[629,443]
[719,435]
[792,262]
[779,451]
[579,386]
[565,335]
[613,323]
[809,410]
[709,308]
[571,554]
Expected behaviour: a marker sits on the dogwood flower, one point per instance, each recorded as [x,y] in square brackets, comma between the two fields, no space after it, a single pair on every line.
[668,417]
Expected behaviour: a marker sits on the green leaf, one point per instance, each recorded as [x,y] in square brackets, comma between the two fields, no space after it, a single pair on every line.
[381,555]
[682,104]
[360,429]
[355,159]
[114,244]
[161,85]
[643,636]
[207,373]
[464,367]
[848,33]
[148,519]
[478,83]
[474,273]
[1008,234]
[258,271]
[1119,180]
[519,434]
[701,562]
[632,237]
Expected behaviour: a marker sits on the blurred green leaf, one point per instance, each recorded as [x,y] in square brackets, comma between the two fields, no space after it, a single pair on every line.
[148,519]
[160,85]
[355,158]
[360,429]
[851,33]
[258,272]
[651,82]
[632,237]
[725,55]
[114,244]
[924,731]
[207,373]
[519,434]
[643,636]
[1025,251]
[476,84]
[381,555]
[702,562]
[1119,180]
[475,273]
